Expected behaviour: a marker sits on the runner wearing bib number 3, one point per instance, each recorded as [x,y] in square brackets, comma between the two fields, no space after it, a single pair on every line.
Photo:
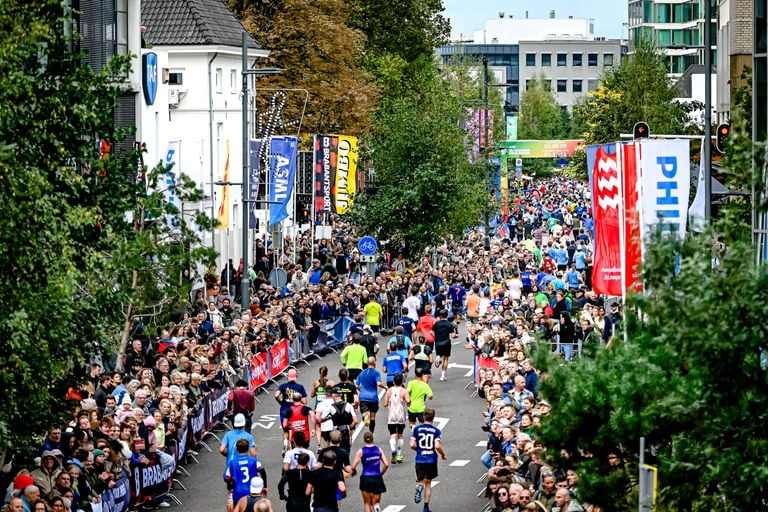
[425,439]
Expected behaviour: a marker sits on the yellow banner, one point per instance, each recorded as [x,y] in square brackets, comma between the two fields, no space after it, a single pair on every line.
[222,216]
[346,174]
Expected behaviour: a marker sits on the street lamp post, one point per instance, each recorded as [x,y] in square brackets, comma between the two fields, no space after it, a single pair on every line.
[245,282]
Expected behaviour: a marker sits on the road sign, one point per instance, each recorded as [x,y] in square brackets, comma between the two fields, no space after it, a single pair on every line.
[368,258]
[367,246]
[519,165]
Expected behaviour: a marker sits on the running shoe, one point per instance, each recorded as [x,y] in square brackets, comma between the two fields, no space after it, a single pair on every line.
[376,508]
[393,460]
[419,491]
[399,459]
[438,361]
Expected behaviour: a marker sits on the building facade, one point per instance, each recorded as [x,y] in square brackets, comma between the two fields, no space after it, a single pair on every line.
[564,51]
[734,45]
[676,27]
[572,68]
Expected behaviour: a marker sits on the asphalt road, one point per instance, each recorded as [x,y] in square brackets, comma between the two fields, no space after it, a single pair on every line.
[458,415]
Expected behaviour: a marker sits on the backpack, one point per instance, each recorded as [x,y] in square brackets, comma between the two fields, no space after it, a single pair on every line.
[400,341]
[341,417]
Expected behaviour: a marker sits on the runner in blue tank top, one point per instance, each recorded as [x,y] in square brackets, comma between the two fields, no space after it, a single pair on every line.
[374,466]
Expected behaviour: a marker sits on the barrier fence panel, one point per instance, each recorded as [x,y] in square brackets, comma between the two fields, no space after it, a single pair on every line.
[278,359]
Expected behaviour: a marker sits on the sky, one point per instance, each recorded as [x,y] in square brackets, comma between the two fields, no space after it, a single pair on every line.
[469,15]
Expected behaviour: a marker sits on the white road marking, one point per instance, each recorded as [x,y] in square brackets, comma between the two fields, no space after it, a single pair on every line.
[266,421]
[482,443]
[440,422]
[459,463]
[468,367]
[394,508]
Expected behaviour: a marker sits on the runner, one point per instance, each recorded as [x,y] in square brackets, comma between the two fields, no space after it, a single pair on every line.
[368,383]
[343,416]
[284,396]
[228,446]
[396,399]
[241,472]
[418,391]
[421,354]
[444,332]
[298,419]
[425,439]
[371,480]
[297,480]
[325,483]
[394,364]
[402,342]
[248,502]
[291,457]
[354,356]
[320,390]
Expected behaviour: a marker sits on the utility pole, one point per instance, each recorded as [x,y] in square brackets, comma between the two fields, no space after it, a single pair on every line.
[487,156]
[706,153]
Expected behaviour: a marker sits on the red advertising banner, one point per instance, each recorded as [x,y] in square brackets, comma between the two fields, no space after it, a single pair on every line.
[259,370]
[278,358]
[632,235]
[606,197]
[325,156]
[485,362]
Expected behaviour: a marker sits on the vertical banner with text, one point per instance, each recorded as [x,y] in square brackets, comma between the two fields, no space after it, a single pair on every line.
[169,182]
[345,183]
[602,163]
[665,184]
[324,157]
[222,214]
[282,173]
[632,237]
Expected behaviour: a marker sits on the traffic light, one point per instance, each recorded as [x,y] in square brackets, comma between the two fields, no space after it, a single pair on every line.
[641,130]
[723,131]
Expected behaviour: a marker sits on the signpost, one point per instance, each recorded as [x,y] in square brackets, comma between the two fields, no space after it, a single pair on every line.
[368,248]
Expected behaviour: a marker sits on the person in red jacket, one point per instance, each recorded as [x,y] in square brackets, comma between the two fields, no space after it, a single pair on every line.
[242,401]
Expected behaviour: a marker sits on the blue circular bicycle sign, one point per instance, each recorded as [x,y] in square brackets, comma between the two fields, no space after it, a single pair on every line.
[367,246]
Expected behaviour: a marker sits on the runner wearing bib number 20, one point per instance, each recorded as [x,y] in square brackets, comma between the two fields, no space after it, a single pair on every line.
[425,439]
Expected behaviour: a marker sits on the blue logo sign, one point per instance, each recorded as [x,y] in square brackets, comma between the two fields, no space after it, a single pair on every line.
[149,77]
[367,246]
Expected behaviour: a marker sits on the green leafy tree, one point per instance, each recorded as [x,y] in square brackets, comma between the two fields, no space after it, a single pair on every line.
[425,187]
[63,225]
[638,90]
[541,118]
[691,379]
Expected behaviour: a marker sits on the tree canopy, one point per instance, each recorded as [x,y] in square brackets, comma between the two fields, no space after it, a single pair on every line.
[691,379]
[418,151]
[638,90]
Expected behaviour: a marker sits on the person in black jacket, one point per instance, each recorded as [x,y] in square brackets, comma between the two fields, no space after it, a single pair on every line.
[296,479]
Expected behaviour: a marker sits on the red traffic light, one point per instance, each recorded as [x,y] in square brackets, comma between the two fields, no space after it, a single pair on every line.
[722,134]
[641,130]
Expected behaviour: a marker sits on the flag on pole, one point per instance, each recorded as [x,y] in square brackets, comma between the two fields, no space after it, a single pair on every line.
[697,209]
[222,216]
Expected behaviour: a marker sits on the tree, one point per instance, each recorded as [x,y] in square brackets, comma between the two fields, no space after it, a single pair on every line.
[691,379]
[541,118]
[318,51]
[425,186]
[638,90]
[408,29]
[64,223]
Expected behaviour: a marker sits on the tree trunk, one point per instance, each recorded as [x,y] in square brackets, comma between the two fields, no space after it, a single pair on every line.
[126,327]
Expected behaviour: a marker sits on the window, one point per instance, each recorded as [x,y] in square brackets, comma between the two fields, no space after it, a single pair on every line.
[233,80]
[608,59]
[546,59]
[577,58]
[562,60]
[592,85]
[219,81]
[530,59]
[176,78]
[592,59]
[527,84]
[121,13]
[562,86]
[578,86]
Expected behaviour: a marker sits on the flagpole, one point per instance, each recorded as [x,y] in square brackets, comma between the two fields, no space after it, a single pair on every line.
[622,227]
[312,199]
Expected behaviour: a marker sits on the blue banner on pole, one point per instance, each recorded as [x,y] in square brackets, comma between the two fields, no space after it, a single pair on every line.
[282,170]
[253,182]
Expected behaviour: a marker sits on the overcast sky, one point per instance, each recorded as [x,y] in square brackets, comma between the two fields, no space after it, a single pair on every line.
[469,15]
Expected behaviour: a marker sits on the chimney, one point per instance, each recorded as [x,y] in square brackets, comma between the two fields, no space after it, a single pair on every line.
[501,15]
[526,14]
[552,14]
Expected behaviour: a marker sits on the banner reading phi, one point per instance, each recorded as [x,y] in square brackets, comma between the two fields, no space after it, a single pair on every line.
[346,175]
[665,184]
[605,182]
[282,172]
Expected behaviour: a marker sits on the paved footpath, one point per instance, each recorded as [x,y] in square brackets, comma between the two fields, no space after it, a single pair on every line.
[458,415]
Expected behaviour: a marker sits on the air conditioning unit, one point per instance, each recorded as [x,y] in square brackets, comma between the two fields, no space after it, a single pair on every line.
[173,97]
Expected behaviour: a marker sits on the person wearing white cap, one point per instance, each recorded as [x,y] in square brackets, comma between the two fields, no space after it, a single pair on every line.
[228,446]
[248,503]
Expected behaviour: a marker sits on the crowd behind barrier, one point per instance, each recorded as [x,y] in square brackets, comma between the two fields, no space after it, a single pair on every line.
[137,428]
